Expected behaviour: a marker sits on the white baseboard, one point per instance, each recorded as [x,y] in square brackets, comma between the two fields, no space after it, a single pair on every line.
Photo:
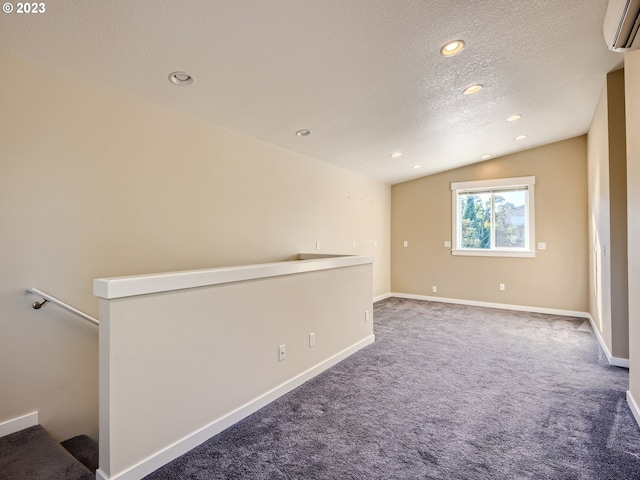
[379,298]
[619,362]
[615,361]
[16,424]
[191,441]
[633,406]
[502,306]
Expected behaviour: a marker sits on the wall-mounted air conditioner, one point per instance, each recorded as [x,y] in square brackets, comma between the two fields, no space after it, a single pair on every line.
[621,25]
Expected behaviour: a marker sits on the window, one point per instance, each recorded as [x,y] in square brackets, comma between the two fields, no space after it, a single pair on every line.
[494,217]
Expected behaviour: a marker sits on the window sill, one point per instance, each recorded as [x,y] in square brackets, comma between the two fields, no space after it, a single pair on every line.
[494,253]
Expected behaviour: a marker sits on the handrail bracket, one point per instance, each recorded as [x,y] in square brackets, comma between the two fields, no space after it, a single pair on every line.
[48,298]
[38,305]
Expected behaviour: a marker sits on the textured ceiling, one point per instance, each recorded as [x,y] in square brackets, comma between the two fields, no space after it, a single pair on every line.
[365,76]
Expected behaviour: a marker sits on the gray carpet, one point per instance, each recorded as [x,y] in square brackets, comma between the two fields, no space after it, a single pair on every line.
[84,449]
[446,392]
[32,454]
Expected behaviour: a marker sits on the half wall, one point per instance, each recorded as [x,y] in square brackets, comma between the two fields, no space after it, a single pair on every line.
[184,355]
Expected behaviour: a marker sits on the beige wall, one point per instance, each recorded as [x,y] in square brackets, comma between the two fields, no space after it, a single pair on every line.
[556,278]
[632,79]
[618,188]
[608,291]
[97,184]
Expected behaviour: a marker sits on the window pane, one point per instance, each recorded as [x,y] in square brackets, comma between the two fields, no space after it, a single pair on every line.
[510,219]
[475,220]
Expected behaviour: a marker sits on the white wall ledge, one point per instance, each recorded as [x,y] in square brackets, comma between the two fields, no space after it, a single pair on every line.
[119,287]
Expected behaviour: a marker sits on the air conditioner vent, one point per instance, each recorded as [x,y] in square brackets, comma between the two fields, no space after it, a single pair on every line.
[621,25]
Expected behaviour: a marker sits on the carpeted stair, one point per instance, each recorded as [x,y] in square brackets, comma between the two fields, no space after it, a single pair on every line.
[84,449]
[34,455]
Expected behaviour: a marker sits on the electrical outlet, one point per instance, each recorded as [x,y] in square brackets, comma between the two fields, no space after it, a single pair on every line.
[434,289]
[406,244]
[366,316]
[502,287]
[318,245]
[354,244]
[312,339]
[282,354]
[447,244]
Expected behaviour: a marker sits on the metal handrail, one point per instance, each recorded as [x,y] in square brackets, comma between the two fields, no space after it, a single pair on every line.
[49,298]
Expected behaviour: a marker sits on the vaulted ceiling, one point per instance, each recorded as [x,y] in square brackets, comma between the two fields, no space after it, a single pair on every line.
[366,77]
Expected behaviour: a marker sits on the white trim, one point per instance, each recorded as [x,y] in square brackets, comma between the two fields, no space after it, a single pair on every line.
[633,405]
[166,455]
[118,287]
[615,361]
[379,298]
[478,252]
[494,183]
[531,215]
[16,424]
[619,362]
[502,306]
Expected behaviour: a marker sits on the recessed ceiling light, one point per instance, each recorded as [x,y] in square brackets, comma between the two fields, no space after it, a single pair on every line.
[417,166]
[303,133]
[485,157]
[470,90]
[513,118]
[520,137]
[180,78]
[396,154]
[451,48]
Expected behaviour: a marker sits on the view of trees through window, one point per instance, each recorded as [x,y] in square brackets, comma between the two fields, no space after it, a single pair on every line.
[493,219]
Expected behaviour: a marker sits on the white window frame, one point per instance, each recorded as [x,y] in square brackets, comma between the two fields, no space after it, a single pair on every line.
[488,185]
